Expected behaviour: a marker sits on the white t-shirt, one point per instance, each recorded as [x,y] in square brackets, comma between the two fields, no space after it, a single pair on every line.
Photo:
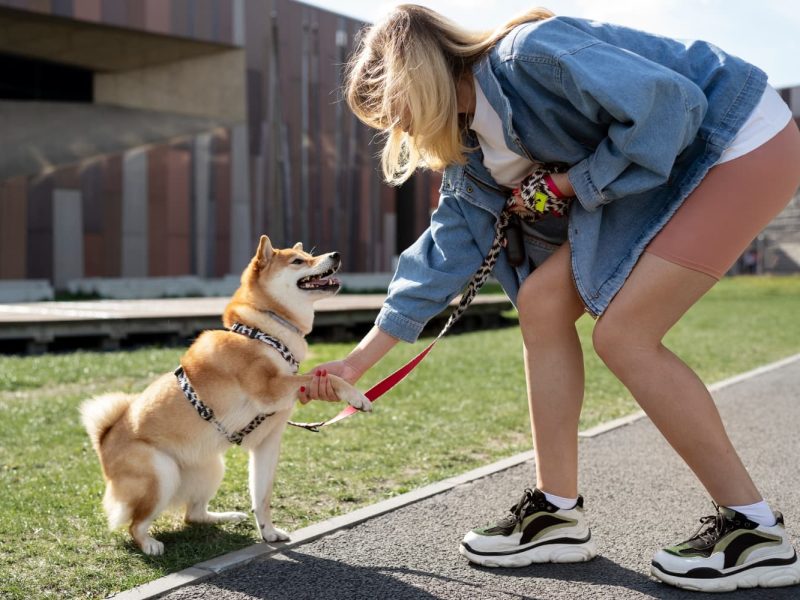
[507,167]
[768,118]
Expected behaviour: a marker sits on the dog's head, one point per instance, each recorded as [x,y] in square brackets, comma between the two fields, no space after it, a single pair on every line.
[287,281]
[294,273]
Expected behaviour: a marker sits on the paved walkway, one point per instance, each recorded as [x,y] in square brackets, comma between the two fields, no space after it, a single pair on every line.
[638,493]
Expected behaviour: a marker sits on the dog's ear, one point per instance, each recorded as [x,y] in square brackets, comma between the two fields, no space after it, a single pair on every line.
[298,246]
[264,252]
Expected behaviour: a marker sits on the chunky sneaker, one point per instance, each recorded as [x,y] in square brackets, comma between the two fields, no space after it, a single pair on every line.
[730,551]
[536,531]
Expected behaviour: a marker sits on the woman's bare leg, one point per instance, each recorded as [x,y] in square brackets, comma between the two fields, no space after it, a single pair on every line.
[548,308]
[628,337]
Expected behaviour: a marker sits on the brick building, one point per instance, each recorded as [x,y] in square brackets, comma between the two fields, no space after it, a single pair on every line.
[161,137]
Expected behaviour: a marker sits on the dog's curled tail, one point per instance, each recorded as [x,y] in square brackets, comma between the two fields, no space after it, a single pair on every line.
[99,414]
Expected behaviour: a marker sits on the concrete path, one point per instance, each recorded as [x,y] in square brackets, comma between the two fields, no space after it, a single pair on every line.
[638,494]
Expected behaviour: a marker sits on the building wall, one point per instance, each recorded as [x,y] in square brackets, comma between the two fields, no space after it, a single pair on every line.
[290,161]
[205,20]
[207,86]
[128,215]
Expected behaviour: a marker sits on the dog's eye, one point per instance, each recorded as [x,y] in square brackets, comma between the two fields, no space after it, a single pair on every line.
[298,261]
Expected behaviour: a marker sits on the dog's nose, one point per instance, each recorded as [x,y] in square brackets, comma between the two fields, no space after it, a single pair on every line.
[335,255]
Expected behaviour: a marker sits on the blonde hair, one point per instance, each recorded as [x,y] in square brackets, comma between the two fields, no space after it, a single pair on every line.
[402,80]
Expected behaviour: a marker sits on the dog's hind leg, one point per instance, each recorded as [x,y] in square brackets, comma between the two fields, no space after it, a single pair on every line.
[155,493]
[199,486]
[263,462]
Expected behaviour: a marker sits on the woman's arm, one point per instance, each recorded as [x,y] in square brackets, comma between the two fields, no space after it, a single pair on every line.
[650,112]
[430,273]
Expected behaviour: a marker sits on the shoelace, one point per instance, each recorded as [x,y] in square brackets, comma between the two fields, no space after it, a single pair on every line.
[517,512]
[713,527]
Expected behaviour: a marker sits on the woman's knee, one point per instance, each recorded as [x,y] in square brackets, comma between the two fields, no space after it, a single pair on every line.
[618,341]
[547,298]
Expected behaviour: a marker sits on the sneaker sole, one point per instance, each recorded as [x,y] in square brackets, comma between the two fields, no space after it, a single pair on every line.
[546,553]
[766,577]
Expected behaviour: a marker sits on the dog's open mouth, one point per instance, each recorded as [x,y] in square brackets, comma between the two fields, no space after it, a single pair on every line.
[322,282]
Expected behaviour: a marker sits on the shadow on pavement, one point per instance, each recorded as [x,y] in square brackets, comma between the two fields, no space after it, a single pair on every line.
[293,575]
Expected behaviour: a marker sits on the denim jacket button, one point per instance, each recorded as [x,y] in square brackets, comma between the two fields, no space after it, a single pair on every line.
[469,189]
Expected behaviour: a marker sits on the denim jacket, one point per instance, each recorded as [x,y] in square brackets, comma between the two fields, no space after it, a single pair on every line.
[637,119]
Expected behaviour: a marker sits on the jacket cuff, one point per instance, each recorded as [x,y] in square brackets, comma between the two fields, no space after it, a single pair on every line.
[397,325]
[588,195]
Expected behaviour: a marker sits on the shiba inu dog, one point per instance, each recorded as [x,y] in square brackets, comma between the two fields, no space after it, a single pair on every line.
[165,446]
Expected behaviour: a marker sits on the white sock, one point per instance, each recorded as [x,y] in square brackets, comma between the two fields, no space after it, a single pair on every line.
[562,503]
[759,512]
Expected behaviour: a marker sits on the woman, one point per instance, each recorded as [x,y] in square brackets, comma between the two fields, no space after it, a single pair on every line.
[669,157]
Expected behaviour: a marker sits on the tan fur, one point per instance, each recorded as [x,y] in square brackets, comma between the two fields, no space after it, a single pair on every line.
[156,451]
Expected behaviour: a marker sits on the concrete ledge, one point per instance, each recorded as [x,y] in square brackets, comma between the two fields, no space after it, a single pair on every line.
[25,290]
[139,288]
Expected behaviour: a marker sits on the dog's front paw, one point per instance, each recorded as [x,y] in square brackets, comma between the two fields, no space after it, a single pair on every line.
[358,400]
[273,534]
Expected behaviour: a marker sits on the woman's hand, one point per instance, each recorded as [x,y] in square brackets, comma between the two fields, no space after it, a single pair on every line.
[539,194]
[370,350]
[321,388]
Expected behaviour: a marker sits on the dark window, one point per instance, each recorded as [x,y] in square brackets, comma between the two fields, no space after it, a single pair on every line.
[24,78]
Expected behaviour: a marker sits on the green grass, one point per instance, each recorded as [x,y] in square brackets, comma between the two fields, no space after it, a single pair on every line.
[457,411]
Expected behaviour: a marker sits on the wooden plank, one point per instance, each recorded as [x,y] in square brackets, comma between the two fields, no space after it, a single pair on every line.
[87,10]
[221,184]
[93,209]
[13,227]
[157,16]
[62,8]
[115,12]
[39,239]
[157,195]
[44,322]
[112,227]
[177,215]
